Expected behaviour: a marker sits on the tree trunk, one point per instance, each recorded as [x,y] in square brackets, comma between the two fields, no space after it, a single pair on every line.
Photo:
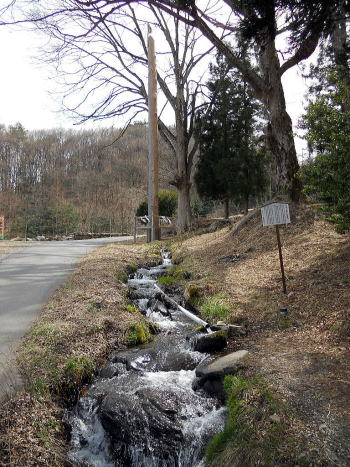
[280,131]
[182,182]
[246,205]
[226,208]
[183,208]
[339,38]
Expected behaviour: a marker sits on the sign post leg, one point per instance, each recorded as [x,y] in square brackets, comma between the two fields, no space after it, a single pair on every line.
[281,258]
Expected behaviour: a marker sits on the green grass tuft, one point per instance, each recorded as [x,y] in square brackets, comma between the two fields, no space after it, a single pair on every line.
[132,308]
[121,275]
[167,281]
[138,334]
[78,371]
[214,308]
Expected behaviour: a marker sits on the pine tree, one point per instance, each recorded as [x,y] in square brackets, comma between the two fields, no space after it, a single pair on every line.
[326,176]
[231,166]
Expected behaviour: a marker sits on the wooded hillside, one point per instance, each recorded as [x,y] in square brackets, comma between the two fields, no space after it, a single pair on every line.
[58,181]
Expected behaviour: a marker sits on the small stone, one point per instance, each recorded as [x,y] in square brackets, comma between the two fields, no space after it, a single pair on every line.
[275,418]
[323,427]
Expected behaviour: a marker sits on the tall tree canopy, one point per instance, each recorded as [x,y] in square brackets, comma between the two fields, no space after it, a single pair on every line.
[282,33]
[327,123]
[231,166]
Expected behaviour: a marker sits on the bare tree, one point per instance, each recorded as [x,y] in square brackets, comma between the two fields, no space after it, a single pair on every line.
[101,57]
[262,23]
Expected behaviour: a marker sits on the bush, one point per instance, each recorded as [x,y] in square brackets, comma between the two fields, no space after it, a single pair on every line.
[167,204]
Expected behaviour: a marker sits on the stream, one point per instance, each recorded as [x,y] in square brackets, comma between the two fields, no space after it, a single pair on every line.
[141,410]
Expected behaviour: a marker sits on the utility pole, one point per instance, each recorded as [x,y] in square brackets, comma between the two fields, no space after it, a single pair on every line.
[153,147]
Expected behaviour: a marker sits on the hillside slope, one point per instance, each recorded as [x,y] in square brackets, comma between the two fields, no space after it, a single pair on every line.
[304,356]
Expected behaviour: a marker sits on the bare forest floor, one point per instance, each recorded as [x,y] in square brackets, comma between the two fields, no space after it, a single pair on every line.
[304,356]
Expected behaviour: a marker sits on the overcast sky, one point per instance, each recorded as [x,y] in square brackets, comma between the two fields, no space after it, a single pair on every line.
[28,95]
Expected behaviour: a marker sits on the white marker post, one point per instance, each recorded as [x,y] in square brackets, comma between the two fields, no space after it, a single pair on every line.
[277,214]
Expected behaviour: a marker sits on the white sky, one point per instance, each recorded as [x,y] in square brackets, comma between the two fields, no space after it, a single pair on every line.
[25,88]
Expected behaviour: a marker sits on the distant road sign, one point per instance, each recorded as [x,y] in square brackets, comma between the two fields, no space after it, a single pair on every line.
[275,214]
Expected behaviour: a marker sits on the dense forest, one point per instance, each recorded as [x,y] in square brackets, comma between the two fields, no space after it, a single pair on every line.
[58,181]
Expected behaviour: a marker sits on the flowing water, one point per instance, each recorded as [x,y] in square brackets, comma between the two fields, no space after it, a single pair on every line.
[141,409]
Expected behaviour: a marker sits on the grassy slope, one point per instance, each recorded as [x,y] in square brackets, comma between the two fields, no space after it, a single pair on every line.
[304,357]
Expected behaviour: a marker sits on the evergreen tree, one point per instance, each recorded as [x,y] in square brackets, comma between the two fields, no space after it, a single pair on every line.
[327,123]
[327,176]
[230,166]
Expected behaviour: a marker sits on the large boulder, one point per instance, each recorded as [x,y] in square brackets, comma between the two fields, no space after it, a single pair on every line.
[112,369]
[210,374]
[149,293]
[148,420]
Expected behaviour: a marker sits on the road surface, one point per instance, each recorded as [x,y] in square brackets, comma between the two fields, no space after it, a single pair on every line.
[27,279]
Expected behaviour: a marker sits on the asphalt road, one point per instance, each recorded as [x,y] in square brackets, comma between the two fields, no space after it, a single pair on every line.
[27,279]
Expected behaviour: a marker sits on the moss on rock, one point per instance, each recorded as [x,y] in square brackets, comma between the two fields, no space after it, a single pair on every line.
[138,334]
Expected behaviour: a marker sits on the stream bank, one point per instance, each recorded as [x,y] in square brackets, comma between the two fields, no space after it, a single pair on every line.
[142,409]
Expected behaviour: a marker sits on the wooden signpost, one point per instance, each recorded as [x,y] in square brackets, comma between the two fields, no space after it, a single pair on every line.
[2,227]
[277,214]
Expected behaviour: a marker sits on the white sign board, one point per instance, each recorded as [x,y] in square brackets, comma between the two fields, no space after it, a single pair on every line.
[275,214]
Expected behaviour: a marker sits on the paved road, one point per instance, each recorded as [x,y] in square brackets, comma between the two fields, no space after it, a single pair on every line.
[27,279]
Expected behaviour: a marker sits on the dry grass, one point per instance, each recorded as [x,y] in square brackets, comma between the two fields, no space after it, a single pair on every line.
[84,321]
[305,356]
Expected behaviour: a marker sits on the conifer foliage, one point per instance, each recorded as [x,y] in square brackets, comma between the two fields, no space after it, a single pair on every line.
[231,164]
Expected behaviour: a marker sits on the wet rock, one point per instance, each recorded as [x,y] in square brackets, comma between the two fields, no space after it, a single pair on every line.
[135,419]
[152,359]
[143,293]
[210,342]
[210,374]
[215,388]
[158,272]
[142,272]
[159,307]
[112,369]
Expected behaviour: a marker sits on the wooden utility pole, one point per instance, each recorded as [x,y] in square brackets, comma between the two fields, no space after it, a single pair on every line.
[153,147]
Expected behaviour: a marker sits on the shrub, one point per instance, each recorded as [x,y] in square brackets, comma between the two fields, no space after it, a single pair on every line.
[167,204]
